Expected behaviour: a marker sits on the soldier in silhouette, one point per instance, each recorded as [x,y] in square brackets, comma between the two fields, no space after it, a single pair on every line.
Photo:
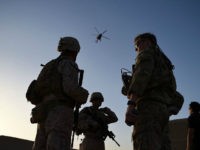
[59,92]
[93,123]
[193,135]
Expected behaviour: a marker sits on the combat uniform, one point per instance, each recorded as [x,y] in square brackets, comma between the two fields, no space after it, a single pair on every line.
[194,123]
[54,133]
[93,123]
[154,84]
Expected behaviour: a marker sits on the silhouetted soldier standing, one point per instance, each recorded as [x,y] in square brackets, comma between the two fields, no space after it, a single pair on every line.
[152,95]
[93,123]
[193,135]
[59,91]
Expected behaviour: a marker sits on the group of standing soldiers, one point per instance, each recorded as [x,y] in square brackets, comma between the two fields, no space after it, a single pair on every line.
[151,92]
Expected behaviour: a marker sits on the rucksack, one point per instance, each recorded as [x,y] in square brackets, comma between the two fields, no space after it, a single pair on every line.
[177,103]
[177,98]
[47,82]
[31,94]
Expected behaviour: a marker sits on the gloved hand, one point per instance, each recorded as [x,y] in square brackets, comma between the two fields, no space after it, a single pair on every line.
[81,95]
[124,91]
[105,110]
[131,115]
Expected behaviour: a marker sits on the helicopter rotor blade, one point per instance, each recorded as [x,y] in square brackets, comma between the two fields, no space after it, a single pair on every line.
[106,37]
[96,30]
[104,31]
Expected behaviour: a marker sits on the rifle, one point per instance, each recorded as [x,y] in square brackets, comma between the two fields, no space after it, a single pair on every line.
[111,135]
[76,111]
[104,126]
[126,76]
[108,133]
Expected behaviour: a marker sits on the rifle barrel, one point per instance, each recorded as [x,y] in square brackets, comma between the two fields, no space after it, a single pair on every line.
[112,136]
[76,112]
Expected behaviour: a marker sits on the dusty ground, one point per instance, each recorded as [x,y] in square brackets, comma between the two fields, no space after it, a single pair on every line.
[178,132]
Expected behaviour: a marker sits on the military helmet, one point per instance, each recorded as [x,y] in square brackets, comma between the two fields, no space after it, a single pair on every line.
[195,106]
[144,36]
[96,95]
[68,44]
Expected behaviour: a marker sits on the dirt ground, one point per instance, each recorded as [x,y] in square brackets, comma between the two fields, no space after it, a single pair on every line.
[178,134]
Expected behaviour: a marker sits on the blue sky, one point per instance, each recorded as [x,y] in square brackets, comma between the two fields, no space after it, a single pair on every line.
[29,34]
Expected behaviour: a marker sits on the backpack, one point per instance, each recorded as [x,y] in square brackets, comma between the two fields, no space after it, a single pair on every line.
[177,99]
[48,81]
[31,94]
[177,103]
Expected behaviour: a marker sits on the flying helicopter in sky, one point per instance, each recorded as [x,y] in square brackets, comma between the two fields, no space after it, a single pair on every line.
[100,35]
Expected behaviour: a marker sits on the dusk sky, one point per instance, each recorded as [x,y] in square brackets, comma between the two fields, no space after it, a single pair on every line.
[29,35]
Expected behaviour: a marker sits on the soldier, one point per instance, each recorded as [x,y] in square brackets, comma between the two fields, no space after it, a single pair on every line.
[58,89]
[93,123]
[193,135]
[151,93]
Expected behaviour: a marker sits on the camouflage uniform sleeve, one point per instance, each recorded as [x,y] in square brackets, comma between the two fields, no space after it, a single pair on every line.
[69,73]
[142,74]
[110,116]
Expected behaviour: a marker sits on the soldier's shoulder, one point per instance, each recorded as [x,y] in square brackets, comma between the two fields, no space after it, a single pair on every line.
[85,109]
[67,63]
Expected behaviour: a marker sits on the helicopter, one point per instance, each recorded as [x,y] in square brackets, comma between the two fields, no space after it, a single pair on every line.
[99,36]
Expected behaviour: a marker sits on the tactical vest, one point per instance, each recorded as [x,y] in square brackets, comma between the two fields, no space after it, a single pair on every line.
[97,115]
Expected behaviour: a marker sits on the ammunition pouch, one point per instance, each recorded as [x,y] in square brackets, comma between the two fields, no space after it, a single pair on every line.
[39,113]
[131,116]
